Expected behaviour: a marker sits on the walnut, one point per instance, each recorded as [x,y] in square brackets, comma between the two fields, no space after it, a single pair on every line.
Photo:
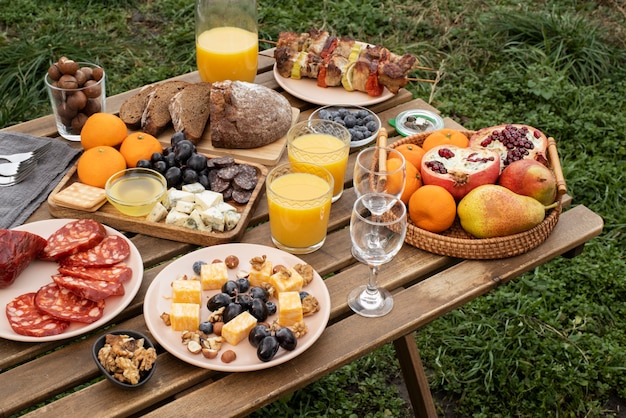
[299,329]
[166,319]
[310,305]
[270,289]
[125,357]
[144,358]
[128,370]
[258,262]
[217,315]
[306,271]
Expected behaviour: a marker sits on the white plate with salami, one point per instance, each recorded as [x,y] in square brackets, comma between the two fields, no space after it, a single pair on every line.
[39,274]
[158,301]
[308,90]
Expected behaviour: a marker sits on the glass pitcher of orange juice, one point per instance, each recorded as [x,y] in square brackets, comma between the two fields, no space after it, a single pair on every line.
[227,40]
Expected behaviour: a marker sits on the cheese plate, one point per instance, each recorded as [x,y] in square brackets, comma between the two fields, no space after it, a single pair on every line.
[109,215]
[158,301]
[38,274]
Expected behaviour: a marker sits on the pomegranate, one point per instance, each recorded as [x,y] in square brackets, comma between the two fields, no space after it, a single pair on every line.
[513,142]
[530,178]
[460,170]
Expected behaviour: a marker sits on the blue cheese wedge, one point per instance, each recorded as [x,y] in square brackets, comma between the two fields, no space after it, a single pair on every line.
[174,195]
[193,188]
[214,218]
[158,213]
[231,219]
[184,206]
[176,218]
[208,199]
[194,221]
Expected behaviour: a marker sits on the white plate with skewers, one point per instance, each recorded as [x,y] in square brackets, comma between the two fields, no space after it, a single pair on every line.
[308,90]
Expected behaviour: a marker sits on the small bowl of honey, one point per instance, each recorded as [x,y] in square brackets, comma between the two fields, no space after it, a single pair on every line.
[135,191]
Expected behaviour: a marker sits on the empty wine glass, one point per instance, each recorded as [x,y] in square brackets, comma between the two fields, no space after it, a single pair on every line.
[376,239]
[372,175]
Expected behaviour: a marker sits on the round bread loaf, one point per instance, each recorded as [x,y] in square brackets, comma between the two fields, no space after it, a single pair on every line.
[246,115]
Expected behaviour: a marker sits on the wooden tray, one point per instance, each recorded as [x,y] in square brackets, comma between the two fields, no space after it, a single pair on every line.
[108,215]
[268,155]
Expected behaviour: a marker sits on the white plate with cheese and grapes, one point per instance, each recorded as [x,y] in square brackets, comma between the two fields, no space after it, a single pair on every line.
[251,289]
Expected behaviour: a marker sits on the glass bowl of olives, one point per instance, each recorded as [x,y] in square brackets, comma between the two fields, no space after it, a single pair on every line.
[362,123]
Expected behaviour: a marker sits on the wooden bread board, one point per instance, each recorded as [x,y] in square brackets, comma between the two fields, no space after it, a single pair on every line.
[109,215]
[268,155]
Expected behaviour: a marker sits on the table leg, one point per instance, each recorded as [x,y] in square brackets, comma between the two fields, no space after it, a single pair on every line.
[414,377]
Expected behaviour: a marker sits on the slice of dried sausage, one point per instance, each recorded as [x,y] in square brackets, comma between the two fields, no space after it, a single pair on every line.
[73,237]
[89,289]
[62,304]
[26,319]
[115,274]
[110,251]
[17,250]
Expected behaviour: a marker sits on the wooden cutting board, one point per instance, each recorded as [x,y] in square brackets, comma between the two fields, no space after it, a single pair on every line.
[267,155]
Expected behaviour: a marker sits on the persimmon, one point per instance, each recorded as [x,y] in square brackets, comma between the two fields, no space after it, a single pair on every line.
[445,137]
[103,129]
[97,164]
[432,208]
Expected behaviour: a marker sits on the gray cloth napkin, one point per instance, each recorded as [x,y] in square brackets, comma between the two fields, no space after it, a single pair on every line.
[19,201]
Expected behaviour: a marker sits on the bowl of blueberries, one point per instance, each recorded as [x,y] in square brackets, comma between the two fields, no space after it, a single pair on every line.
[362,123]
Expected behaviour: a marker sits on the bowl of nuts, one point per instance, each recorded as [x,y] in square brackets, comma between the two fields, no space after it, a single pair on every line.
[126,358]
[77,91]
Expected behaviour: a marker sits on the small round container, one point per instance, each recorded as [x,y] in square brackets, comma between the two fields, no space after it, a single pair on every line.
[417,121]
[362,123]
[135,191]
[100,342]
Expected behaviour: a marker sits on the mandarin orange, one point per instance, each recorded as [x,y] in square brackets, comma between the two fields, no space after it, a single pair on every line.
[445,137]
[432,208]
[97,164]
[103,129]
[139,146]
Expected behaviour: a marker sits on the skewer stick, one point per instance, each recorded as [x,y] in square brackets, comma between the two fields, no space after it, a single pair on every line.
[381,141]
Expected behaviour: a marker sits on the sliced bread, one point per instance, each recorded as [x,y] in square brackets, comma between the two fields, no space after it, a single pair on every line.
[246,115]
[156,115]
[133,107]
[189,110]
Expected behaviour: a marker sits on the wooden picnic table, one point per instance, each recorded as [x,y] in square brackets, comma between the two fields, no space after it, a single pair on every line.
[425,286]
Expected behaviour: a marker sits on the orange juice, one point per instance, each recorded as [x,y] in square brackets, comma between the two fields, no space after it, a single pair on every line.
[227,53]
[324,150]
[299,208]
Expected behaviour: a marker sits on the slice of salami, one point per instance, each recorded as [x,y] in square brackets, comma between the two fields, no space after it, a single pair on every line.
[26,319]
[17,250]
[116,274]
[62,304]
[73,237]
[95,290]
[111,250]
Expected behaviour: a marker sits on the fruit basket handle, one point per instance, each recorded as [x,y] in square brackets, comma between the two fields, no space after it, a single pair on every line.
[555,162]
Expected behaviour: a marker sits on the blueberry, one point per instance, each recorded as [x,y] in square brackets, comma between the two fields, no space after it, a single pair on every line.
[206,327]
[197,266]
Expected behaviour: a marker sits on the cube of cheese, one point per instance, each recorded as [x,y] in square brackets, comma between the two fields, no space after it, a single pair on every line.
[176,218]
[193,187]
[289,309]
[207,199]
[231,219]
[184,206]
[258,276]
[158,213]
[185,316]
[187,291]
[194,221]
[287,280]
[174,195]
[238,328]
[214,218]
[213,275]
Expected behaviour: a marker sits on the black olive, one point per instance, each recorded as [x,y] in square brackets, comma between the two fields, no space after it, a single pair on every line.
[219,300]
[197,162]
[190,176]
[206,327]
[267,349]
[259,293]
[160,166]
[230,287]
[197,266]
[271,307]
[144,164]
[231,311]
[244,284]
[258,333]
[245,301]
[176,138]
[259,310]
[173,176]
[286,339]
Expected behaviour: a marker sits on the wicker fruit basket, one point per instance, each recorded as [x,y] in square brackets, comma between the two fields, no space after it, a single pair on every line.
[455,242]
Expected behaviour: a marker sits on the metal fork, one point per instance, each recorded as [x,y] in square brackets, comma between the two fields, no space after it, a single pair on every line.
[18,158]
[6,181]
[12,169]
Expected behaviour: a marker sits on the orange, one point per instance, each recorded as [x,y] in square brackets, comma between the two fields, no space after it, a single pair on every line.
[412,153]
[139,146]
[97,164]
[103,129]
[445,137]
[432,208]
[412,182]
[394,181]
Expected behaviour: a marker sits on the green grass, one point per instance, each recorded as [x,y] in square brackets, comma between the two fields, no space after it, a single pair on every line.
[551,343]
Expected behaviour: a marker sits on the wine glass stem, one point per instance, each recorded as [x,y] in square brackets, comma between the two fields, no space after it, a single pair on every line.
[372,280]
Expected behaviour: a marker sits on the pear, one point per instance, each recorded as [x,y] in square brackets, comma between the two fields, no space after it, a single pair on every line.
[494,211]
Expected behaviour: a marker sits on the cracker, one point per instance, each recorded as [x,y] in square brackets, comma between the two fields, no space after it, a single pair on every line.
[81,196]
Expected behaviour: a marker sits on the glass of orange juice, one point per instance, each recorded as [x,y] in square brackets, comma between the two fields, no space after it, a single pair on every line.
[322,142]
[299,198]
[227,40]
